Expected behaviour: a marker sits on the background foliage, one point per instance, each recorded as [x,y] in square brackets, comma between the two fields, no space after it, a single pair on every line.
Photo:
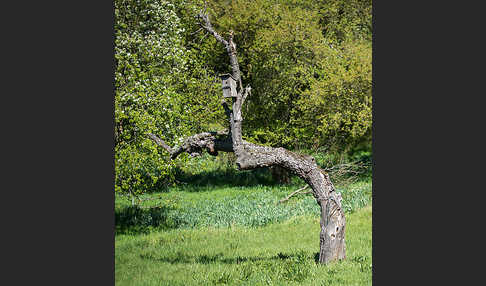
[308,62]
[161,87]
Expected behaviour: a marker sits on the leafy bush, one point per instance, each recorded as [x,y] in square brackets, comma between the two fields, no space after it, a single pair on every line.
[308,62]
[309,65]
[160,87]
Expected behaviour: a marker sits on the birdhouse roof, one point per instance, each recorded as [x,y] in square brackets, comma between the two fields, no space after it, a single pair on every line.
[226,75]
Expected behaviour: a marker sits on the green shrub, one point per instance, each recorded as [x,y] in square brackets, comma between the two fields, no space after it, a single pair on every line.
[308,62]
[160,86]
[309,66]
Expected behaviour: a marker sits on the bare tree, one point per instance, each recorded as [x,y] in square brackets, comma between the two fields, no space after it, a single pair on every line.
[251,156]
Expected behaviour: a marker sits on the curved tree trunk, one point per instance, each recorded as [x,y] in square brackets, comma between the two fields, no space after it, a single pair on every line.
[251,156]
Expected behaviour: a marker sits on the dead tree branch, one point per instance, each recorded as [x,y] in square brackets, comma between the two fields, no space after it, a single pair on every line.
[346,173]
[230,46]
[212,142]
[295,193]
[245,94]
[251,156]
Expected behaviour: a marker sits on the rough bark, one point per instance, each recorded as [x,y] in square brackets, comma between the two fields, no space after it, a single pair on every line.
[251,156]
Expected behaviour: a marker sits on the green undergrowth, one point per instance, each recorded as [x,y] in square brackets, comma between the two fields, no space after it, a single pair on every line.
[282,253]
[188,206]
[220,226]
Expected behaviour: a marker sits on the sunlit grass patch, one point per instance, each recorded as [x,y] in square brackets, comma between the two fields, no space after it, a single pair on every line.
[276,254]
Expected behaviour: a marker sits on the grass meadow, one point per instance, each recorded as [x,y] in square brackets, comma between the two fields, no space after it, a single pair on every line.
[223,227]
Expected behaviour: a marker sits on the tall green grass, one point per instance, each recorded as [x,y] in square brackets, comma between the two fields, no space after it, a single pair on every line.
[277,254]
[219,226]
[224,207]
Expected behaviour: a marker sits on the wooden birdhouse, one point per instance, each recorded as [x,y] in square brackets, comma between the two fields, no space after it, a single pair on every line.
[229,85]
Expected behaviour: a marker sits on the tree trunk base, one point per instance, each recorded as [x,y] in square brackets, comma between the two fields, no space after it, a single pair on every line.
[333,226]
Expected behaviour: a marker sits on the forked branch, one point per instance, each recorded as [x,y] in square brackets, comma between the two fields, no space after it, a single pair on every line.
[229,45]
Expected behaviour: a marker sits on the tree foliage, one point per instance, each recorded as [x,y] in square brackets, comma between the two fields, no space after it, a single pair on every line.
[160,87]
[308,63]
